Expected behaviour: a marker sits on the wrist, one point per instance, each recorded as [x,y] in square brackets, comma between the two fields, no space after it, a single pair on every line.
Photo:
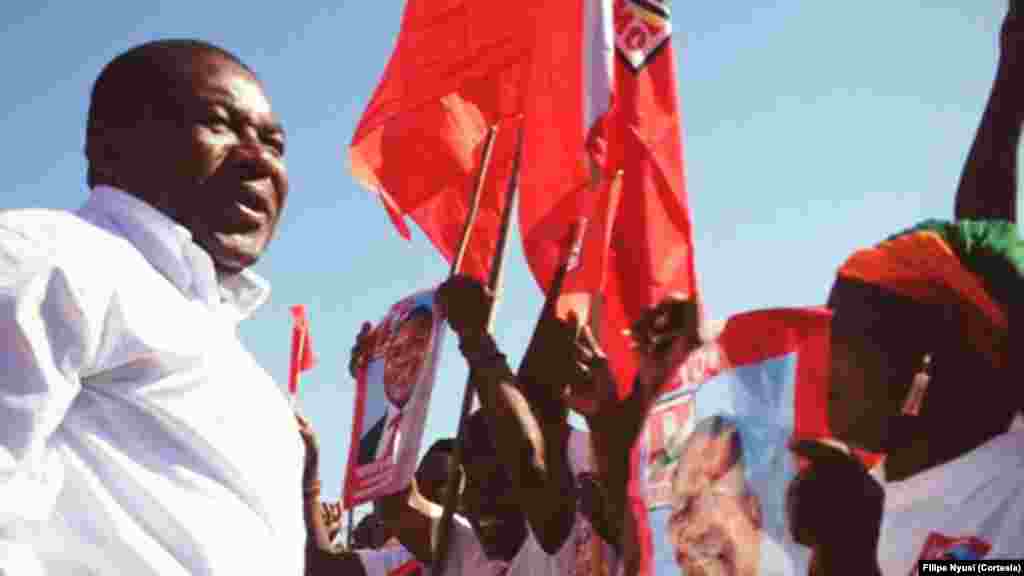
[311,490]
[478,347]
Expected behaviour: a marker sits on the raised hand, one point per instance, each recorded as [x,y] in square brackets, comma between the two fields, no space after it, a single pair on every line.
[361,349]
[663,336]
[834,484]
[591,389]
[332,518]
[466,303]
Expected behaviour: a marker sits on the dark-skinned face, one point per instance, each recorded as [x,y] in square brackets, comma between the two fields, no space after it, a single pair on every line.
[875,353]
[497,520]
[212,159]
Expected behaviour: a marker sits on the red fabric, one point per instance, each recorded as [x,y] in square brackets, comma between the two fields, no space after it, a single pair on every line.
[555,178]
[408,569]
[650,253]
[589,277]
[302,357]
[459,67]
[644,139]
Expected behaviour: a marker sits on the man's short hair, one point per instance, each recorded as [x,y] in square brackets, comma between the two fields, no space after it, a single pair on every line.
[144,77]
[722,426]
[443,447]
[716,427]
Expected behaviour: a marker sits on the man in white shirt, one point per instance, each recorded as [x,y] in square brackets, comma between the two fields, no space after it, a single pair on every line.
[123,448]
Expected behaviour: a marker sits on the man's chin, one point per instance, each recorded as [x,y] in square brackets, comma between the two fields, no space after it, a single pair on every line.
[233,253]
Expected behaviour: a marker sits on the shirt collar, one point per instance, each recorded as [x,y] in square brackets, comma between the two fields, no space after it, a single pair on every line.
[168,246]
[1000,455]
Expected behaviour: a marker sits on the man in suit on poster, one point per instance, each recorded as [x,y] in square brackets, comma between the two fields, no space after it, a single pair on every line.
[404,350]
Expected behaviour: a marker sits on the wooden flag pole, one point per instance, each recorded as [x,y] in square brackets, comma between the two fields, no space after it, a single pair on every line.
[570,262]
[597,301]
[474,200]
[494,283]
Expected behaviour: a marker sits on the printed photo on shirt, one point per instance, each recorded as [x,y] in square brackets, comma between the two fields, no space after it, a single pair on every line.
[393,390]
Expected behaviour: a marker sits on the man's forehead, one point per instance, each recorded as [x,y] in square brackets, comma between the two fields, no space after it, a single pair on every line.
[218,80]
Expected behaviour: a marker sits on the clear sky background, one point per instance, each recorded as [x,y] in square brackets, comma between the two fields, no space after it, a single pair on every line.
[810,128]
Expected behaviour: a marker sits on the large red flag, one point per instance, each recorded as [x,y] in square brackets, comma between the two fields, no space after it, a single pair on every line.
[649,232]
[302,357]
[458,68]
[461,66]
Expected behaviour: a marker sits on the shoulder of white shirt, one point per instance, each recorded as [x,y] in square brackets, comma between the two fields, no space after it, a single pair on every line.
[41,237]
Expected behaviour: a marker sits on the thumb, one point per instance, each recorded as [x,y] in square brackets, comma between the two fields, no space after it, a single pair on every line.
[573,320]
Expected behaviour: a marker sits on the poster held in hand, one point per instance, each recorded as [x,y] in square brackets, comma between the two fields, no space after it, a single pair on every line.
[393,391]
[716,447]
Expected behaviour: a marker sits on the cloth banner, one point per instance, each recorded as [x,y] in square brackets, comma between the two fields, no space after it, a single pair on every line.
[715,451]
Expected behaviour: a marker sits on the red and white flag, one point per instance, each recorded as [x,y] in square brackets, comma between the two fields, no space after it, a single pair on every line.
[646,227]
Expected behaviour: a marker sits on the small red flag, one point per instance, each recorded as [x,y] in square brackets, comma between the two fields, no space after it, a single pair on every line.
[302,357]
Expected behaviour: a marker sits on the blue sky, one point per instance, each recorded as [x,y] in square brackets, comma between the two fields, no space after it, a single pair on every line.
[810,128]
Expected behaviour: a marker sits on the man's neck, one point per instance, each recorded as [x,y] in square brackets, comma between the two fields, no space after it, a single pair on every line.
[924,443]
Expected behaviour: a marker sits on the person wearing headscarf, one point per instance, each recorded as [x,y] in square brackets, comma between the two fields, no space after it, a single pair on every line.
[923,370]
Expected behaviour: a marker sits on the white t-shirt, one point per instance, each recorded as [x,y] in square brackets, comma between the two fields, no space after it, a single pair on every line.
[385,561]
[970,506]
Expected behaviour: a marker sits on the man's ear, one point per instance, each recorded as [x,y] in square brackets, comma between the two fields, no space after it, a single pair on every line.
[103,154]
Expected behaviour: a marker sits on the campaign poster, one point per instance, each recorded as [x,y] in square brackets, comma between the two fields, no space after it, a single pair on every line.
[393,391]
[716,457]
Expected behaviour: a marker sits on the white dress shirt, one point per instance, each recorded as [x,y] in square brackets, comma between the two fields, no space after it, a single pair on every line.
[139,436]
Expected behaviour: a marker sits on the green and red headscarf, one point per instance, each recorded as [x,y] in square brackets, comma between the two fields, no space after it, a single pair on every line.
[977,265]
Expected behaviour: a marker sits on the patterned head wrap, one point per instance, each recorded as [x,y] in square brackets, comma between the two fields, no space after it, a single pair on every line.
[977,265]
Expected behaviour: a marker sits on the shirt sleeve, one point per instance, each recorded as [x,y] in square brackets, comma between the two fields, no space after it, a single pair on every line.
[47,339]
[465,553]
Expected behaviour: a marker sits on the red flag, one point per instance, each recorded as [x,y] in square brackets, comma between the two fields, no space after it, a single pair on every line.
[585,283]
[650,252]
[459,67]
[302,357]
[650,238]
